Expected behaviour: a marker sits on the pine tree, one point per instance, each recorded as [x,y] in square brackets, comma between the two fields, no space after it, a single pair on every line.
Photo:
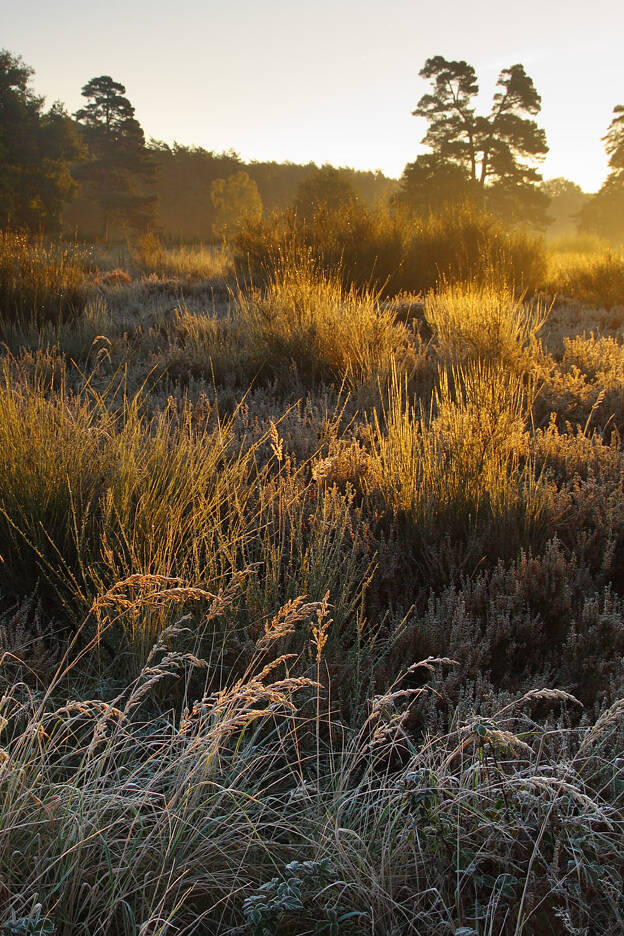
[604,213]
[120,170]
[494,153]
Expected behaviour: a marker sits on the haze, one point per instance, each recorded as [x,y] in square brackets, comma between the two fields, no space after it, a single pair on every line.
[282,80]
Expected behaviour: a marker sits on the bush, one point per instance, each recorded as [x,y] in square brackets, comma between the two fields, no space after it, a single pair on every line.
[394,254]
[463,244]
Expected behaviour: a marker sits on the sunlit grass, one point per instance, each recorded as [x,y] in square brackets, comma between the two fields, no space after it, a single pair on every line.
[589,271]
[151,257]
[461,471]
[227,537]
[485,323]
[40,282]
[307,318]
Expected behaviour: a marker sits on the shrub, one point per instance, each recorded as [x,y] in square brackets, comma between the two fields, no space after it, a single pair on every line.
[463,244]
[394,254]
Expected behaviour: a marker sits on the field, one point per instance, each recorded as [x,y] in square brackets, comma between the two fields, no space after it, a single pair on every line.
[312,585]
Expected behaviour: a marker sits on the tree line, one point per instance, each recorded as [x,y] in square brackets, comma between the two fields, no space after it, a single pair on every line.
[94,174]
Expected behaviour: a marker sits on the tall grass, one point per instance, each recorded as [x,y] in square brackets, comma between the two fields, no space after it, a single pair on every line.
[485,323]
[459,474]
[306,318]
[241,815]
[151,257]
[93,489]
[92,492]
[40,282]
[593,277]
[212,717]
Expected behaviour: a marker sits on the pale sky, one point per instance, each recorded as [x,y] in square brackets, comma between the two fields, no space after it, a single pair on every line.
[326,81]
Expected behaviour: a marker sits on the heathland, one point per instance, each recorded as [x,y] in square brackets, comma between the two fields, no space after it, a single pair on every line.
[312,582]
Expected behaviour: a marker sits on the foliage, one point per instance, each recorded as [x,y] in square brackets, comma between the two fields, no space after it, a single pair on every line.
[566,199]
[36,148]
[326,191]
[397,254]
[430,183]
[236,201]
[495,152]
[119,162]
[604,212]
[464,244]
[185,175]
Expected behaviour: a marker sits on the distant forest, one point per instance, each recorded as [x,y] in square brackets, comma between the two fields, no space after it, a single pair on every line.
[184,189]
[92,175]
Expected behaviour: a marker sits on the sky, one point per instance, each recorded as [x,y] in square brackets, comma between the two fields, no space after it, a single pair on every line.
[330,80]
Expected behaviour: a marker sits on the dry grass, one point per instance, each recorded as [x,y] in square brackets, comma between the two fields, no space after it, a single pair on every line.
[397,253]
[306,319]
[150,257]
[214,597]
[460,472]
[592,273]
[485,323]
[40,282]
[237,815]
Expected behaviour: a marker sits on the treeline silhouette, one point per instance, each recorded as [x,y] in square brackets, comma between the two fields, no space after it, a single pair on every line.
[186,181]
[94,176]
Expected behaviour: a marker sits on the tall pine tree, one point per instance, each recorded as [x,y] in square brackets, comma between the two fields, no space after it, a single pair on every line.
[496,153]
[119,172]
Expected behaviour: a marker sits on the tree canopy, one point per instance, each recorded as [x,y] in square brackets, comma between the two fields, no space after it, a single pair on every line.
[36,147]
[604,212]
[491,157]
[325,190]
[236,201]
[566,200]
[431,182]
[119,170]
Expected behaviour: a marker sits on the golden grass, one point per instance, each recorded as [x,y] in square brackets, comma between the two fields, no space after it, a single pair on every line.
[485,323]
[150,257]
[306,318]
[285,647]
[40,282]
[460,471]
[594,275]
